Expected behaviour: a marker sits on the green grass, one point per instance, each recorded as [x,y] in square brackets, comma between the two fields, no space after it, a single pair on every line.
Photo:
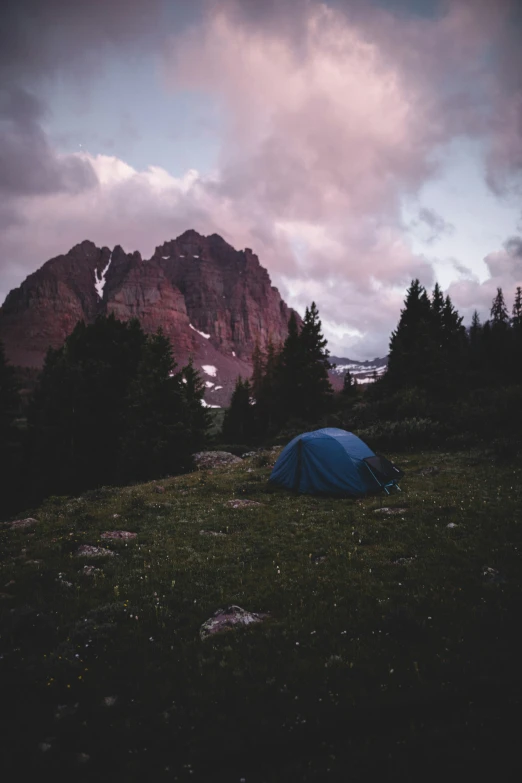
[364,666]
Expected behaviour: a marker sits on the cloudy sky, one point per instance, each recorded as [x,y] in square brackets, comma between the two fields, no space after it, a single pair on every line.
[352,144]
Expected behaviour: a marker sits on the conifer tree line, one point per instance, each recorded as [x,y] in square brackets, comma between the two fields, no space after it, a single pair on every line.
[289,382]
[110,406]
[431,347]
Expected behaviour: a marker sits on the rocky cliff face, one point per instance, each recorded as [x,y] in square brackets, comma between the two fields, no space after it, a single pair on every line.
[213,302]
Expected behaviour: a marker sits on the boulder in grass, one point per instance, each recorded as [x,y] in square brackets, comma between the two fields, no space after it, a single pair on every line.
[215,459]
[118,535]
[159,489]
[214,533]
[23,524]
[389,512]
[228,619]
[492,575]
[242,503]
[429,470]
[93,551]
[91,570]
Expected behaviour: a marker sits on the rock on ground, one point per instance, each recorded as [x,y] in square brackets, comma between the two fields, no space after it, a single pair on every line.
[90,570]
[211,533]
[242,503]
[386,511]
[118,535]
[93,551]
[23,524]
[227,619]
[215,459]
[429,470]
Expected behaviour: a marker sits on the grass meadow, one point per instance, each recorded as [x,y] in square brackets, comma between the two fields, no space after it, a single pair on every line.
[391,645]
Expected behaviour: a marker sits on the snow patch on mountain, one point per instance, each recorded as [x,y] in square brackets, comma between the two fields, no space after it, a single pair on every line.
[209,369]
[208,405]
[206,336]
[99,282]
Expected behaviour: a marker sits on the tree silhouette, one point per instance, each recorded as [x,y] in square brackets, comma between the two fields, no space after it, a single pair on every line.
[412,347]
[239,424]
[198,417]
[349,385]
[156,429]
[315,382]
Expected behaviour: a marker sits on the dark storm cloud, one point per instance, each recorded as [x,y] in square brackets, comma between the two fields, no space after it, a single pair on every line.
[513,246]
[28,165]
[435,223]
[43,39]
[39,38]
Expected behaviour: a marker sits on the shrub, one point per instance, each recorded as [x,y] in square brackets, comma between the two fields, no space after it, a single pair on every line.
[407,434]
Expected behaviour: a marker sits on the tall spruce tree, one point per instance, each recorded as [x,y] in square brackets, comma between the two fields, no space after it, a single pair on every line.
[412,347]
[266,390]
[500,344]
[239,423]
[10,436]
[453,345]
[349,385]
[475,347]
[156,439]
[516,320]
[499,312]
[198,417]
[258,370]
[9,397]
[77,411]
[317,388]
[290,381]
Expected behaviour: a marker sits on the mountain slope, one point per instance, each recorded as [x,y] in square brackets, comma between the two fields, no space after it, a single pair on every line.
[211,300]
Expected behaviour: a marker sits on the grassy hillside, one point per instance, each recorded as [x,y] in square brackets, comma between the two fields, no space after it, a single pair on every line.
[392,642]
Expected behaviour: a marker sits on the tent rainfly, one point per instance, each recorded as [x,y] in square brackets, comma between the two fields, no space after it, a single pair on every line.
[334,462]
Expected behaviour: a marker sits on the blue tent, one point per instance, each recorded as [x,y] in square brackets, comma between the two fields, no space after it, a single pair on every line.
[335,462]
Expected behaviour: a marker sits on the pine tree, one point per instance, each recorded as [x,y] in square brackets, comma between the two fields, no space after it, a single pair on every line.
[349,385]
[316,383]
[156,438]
[199,418]
[437,309]
[258,370]
[290,379]
[475,328]
[238,424]
[268,393]
[475,346]
[9,397]
[453,343]
[412,347]
[500,343]
[499,313]
[10,437]
[77,412]
[516,320]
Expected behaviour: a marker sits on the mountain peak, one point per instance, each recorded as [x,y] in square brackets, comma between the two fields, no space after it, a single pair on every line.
[213,302]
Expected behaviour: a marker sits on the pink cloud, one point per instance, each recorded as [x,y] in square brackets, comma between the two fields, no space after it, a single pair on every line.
[505,269]
[332,116]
